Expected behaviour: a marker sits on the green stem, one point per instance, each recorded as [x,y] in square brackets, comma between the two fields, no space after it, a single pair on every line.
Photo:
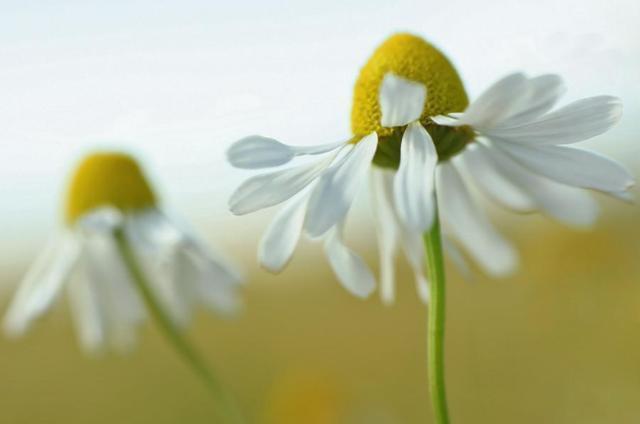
[229,412]
[435,333]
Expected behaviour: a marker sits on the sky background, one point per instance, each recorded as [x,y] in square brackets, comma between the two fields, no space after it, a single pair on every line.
[177,82]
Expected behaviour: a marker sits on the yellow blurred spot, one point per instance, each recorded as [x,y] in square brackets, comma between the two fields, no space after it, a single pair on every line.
[107,179]
[412,58]
[304,397]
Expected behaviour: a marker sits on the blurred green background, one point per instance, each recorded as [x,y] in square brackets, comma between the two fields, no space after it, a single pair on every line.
[558,343]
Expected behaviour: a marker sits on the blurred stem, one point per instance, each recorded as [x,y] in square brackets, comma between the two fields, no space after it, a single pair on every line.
[435,332]
[229,411]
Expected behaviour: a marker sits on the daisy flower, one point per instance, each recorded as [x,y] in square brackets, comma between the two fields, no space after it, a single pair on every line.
[421,142]
[110,200]
[414,133]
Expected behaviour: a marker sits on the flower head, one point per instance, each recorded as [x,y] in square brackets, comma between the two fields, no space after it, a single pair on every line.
[412,119]
[108,180]
[109,194]
[413,59]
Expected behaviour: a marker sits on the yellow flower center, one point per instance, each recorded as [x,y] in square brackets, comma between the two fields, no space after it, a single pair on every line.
[413,58]
[410,57]
[107,180]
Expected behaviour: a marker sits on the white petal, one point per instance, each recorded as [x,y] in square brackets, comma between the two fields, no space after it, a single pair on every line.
[158,250]
[206,284]
[413,185]
[225,270]
[480,167]
[338,186]
[351,270]
[255,152]
[386,229]
[223,300]
[390,232]
[42,284]
[575,122]
[497,103]
[401,100]
[521,101]
[572,206]
[413,247]
[87,314]
[101,220]
[470,226]
[150,229]
[270,189]
[120,304]
[625,196]
[574,167]
[174,286]
[214,280]
[447,120]
[258,152]
[280,240]
[455,255]
[185,271]
[541,95]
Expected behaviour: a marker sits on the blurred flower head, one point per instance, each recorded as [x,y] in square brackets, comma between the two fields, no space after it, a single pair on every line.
[108,193]
[305,396]
[412,119]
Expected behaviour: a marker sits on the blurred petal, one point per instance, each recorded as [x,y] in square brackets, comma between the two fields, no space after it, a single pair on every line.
[574,167]
[101,220]
[332,196]
[390,231]
[108,282]
[203,280]
[414,181]
[223,300]
[226,272]
[280,240]
[541,95]
[479,166]
[386,230]
[42,284]
[455,255]
[578,121]
[401,100]
[209,284]
[569,205]
[186,271]
[351,270]
[497,103]
[470,226]
[413,247]
[86,311]
[625,196]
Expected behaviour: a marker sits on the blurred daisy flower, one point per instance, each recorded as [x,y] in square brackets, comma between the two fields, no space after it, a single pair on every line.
[309,396]
[109,198]
[318,396]
[416,134]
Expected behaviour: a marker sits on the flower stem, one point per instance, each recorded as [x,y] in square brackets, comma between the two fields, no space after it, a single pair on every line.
[229,411]
[435,332]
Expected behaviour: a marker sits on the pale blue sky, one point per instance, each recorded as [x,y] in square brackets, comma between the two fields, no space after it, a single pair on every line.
[178,81]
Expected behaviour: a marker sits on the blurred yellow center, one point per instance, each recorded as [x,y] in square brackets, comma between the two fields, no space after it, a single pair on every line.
[413,58]
[107,180]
